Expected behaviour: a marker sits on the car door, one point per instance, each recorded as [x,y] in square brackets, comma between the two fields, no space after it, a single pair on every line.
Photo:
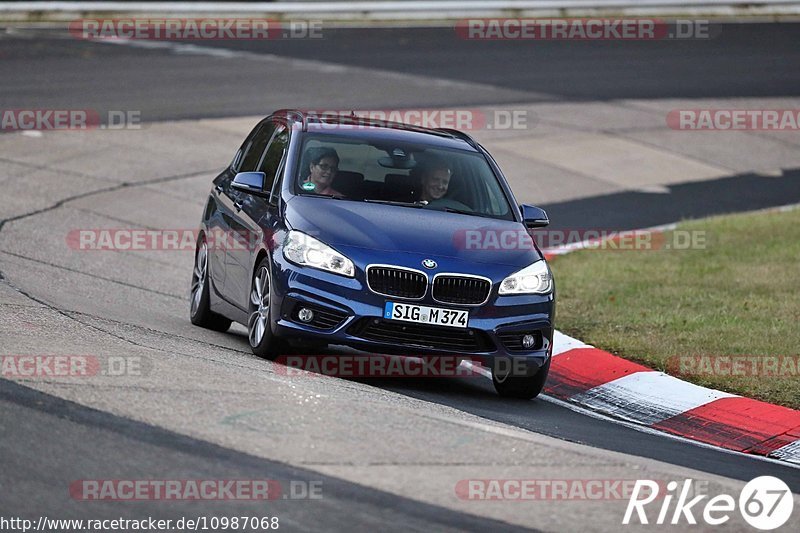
[217,226]
[252,215]
[229,203]
[217,221]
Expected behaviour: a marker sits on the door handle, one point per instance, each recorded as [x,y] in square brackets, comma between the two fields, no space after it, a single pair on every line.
[238,204]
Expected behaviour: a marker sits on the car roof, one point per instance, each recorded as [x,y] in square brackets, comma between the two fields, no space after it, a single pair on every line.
[355,127]
[375,133]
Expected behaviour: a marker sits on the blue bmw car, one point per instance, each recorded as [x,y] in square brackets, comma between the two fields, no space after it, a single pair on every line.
[381,236]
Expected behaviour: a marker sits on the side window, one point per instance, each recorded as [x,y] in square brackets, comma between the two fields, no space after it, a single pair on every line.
[273,155]
[237,159]
[255,146]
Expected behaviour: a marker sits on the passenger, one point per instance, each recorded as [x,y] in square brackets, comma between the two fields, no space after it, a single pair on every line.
[323,164]
[435,179]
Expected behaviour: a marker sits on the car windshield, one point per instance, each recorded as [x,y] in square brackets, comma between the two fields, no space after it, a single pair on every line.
[414,176]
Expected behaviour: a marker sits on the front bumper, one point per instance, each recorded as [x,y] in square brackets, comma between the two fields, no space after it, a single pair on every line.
[348,313]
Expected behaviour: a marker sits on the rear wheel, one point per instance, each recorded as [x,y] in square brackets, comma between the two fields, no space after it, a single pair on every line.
[199,309]
[259,330]
[524,387]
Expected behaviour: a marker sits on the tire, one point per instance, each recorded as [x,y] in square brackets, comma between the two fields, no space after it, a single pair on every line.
[523,387]
[199,307]
[262,341]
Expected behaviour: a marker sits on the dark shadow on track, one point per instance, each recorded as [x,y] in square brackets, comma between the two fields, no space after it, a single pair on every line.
[635,210]
[47,443]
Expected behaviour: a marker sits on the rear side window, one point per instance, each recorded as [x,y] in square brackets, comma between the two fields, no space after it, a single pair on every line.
[255,146]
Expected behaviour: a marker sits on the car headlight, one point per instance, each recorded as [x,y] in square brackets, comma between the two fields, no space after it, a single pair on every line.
[533,279]
[304,250]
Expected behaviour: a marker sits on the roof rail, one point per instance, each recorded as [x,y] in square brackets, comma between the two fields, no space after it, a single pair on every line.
[379,122]
[295,112]
[461,135]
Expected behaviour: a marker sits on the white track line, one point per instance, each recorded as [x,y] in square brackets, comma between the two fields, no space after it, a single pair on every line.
[644,429]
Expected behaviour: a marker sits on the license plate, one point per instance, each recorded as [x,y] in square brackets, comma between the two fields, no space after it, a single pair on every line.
[422,314]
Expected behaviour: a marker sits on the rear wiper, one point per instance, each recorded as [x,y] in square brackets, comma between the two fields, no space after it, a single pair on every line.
[389,202]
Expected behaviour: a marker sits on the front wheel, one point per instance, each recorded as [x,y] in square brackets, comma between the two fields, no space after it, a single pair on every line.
[263,342]
[523,387]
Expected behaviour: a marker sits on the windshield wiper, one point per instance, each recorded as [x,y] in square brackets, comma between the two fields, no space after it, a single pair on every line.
[422,204]
[390,202]
[326,196]
[464,212]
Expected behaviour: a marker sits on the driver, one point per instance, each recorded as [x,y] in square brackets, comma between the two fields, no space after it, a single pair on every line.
[323,165]
[435,178]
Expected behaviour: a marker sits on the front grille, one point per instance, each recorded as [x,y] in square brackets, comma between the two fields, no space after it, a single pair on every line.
[324,318]
[424,336]
[398,282]
[461,290]
[512,340]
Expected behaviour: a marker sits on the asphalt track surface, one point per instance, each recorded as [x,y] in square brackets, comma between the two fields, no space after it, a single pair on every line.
[46,440]
[743,60]
[739,60]
[50,69]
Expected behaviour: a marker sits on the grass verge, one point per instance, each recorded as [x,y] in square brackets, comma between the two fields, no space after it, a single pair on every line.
[724,313]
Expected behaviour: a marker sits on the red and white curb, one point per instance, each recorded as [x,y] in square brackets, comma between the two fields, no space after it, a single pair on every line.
[605,383]
[600,382]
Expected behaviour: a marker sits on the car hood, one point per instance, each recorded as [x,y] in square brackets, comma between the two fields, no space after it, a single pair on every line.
[344,223]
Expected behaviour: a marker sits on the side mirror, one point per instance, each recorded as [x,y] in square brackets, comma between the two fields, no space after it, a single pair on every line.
[251,183]
[534,217]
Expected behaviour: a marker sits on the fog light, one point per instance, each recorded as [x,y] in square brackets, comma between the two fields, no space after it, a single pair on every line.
[305,315]
[528,341]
